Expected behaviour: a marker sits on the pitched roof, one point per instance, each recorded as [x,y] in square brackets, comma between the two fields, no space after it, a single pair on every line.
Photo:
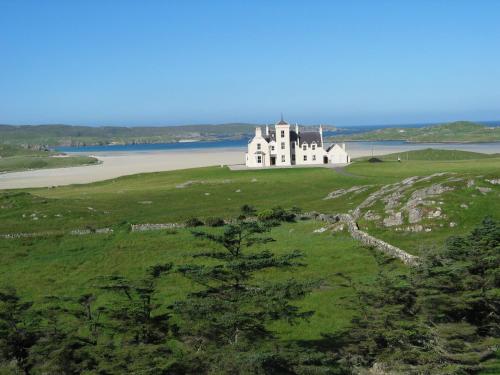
[310,137]
[282,122]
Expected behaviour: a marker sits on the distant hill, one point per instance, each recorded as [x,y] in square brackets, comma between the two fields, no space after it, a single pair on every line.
[460,131]
[70,135]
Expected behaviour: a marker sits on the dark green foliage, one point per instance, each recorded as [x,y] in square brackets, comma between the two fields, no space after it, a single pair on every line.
[276,215]
[19,330]
[441,318]
[225,323]
[193,222]
[214,221]
[465,280]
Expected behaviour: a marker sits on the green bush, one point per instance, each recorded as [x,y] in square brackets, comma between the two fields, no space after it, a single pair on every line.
[193,222]
[214,221]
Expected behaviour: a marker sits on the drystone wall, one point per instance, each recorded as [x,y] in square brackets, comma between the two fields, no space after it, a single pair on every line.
[365,238]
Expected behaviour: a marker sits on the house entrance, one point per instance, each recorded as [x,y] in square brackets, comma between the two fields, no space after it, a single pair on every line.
[273,160]
[325,159]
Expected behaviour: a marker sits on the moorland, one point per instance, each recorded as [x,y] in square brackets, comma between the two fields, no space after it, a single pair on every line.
[58,243]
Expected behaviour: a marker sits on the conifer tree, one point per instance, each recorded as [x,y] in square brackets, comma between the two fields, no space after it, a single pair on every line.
[226,322]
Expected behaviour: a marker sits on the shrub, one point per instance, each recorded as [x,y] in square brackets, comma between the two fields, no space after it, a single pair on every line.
[214,221]
[193,222]
[276,214]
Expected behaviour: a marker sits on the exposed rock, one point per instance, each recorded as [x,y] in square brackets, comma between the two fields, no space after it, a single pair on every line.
[145,202]
[434,214]
[238,191]
[320,230]
[463,205]
[470,183]
[207,193]
[415,228]
[453,224]
[338,227]
[392,200]
[414,214]
[494,181]
[395,218]
[186,184]
[340,192]
[483,190]
[370,215]
[428,229]
[254,180]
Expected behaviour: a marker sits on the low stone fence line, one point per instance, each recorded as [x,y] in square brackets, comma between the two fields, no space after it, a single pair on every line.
[365,238]
[29,235]
[74,232]
[148,227]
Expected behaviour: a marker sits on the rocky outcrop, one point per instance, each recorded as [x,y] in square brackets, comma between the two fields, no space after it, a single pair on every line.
[340,192]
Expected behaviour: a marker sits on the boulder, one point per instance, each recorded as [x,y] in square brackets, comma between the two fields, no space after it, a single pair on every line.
[395,218]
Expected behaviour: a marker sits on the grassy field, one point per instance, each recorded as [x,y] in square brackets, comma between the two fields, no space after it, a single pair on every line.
[15,158]
[68,265]
[431,154]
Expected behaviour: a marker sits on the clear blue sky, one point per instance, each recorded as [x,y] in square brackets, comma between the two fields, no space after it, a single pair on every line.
[177,62]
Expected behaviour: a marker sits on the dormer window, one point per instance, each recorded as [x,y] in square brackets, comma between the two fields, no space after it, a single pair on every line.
[304,147]
[313,146]
[258,146]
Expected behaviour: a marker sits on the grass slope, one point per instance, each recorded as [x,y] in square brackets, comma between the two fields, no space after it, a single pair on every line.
[15,158]
[68,265]
[460,131]
[432,154]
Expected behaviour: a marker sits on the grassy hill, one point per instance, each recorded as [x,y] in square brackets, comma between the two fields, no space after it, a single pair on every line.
[432,154]
[67,265]
[460,131]
[67,135]
[15,158]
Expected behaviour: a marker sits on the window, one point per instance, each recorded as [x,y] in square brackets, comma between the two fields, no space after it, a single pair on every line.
[305,157]
[272,148]
[293,145]
[259,159]
[314,157]
[293,157]
[282,158]
[304,147]
[258,146]
[313,146]
[282,145]
[282,134]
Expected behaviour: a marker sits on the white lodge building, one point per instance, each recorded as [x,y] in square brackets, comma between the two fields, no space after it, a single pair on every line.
[284,147]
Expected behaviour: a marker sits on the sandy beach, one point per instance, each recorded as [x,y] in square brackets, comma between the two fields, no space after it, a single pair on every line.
[115,164]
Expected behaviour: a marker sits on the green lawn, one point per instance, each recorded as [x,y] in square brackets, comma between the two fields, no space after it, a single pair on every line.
[69,266]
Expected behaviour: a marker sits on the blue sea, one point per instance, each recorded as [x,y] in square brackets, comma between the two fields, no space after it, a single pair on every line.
[240,143]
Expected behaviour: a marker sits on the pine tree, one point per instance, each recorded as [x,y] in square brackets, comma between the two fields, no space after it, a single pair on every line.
[225,323]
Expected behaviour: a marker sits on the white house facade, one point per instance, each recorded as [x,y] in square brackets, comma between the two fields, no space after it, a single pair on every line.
[284,146]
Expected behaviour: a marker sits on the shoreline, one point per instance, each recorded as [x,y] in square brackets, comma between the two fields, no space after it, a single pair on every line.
[113,164]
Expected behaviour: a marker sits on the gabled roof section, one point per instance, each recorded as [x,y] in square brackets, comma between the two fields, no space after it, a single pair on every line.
[310,137]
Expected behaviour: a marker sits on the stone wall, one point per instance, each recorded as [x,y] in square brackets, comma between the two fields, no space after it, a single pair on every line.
[365,238]
[147,227]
